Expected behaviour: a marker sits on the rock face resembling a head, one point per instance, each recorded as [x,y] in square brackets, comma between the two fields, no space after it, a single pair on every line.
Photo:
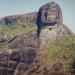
[49,14]
[49,24]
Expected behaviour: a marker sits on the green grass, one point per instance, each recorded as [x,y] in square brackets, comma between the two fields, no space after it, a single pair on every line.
[15,30]
[63,49]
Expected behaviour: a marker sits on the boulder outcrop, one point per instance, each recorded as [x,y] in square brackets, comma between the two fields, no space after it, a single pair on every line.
[50,25]
[29,18]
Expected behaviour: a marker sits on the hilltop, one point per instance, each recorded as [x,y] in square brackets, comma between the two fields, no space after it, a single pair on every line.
[29,18]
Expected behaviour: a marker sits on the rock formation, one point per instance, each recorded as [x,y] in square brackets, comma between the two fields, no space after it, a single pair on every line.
[29,18]
[24,58]
[50,23]
[49,15]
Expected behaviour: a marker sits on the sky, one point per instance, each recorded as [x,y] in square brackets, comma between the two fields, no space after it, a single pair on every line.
[16,7]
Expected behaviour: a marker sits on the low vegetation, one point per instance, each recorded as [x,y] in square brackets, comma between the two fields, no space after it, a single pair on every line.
[11,31]
[63,49]
[15,30]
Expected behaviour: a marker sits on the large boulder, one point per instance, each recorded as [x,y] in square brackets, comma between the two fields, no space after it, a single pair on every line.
[50,25]
[49,15]
[49,35]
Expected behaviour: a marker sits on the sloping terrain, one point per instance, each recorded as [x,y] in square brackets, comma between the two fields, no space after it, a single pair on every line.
[60,57]
[50,35]
[49,50]
[10,32]
[20,56]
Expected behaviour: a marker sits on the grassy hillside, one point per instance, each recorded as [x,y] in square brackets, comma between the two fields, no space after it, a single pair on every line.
[9,31]
[63,49]
[15,30]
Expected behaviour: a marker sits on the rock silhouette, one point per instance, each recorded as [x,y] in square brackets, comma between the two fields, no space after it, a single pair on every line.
[49,15]
[50,25]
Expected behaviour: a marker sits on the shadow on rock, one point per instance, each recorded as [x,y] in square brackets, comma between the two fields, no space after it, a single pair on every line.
[17,61]
[73,67]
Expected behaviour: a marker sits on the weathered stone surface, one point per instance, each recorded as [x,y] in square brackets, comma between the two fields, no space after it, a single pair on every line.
[15,56]
[49,35]
[16,63]
[50,25]
[29,18]
[21,69]
[25,41]
[49,15]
